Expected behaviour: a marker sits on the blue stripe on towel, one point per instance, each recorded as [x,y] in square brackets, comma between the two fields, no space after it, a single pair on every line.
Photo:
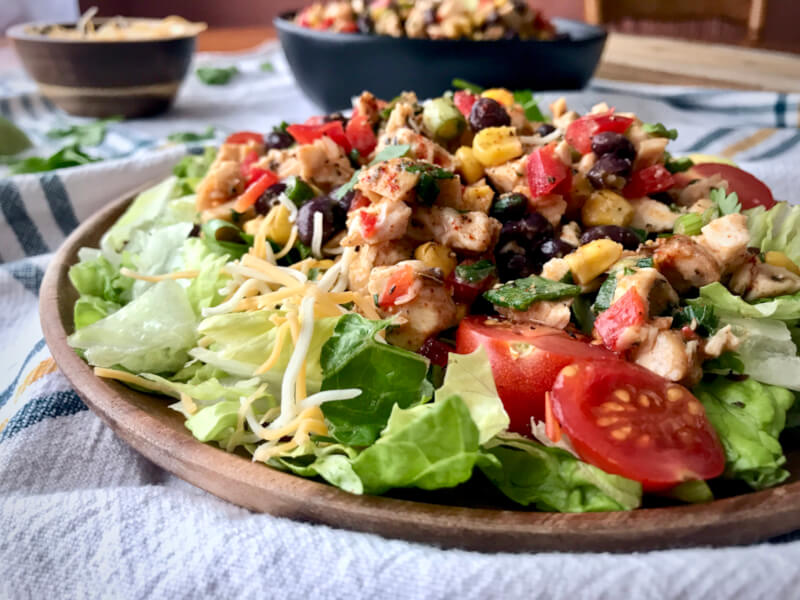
[58,200]
[53,405]
[20,221]
[708,139]
[6,394]
[28,274]
[780,110]
[784,146]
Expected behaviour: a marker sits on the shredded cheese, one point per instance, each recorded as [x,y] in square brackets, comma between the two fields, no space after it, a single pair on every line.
[177,275]
[188,404]
[329,396]
[248,287]
[290,206]
[289,243]
[126,377]
[316,235]
[279,275]
[280,339]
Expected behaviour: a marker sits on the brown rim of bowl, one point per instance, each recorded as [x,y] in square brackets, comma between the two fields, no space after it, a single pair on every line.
[18,32]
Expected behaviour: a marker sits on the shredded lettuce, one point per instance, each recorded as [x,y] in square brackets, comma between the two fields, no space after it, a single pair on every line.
[469,376]
[153,333]
[554,480]
[783,308]
[748,417]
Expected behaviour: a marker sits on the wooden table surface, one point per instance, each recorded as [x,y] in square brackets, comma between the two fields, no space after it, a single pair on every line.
[627,57]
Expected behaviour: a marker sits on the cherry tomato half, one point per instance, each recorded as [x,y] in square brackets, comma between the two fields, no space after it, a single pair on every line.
[580,132]
[525,361]
[464,101]
[751,190]
[243,137]
[650,180]
[629,421]
[612,323]
[306,134]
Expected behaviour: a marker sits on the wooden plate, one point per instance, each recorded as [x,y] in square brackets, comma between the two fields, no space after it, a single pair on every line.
[145,422]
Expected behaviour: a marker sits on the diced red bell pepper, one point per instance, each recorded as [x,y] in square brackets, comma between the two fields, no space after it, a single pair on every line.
[254,191]
[612,323]
[360,135]
[580,132]
[464,101]
[306,134]
[243,137]
[545,171]
[359,201]
[247,164]
[396,286]
[649,180]
[369,223]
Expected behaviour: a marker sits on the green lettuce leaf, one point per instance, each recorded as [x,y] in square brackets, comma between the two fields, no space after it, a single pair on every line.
[141,214]
[204,290]
[153,333]
[469,376]
[12,139]
[748,417]
[191,170]
[554,480]
[766,351]
[333,463]
[99,278]
[215,423]
[782,308]
[90,309]
[386,375]
[776,229]
[431,446]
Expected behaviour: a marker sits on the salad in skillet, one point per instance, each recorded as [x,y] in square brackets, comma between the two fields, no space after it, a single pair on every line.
[428,293]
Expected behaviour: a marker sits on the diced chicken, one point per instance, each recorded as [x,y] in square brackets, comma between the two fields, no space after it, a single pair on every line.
[369,256]
[649,152]
[555,313]
[754,280]
[701,206]
[426,308]
[586,163]
[667,354]
[422,147]
[555,269]
[722,341]
[551,206]
[508,177]
[367,105]
[518,119]
[727,239]
[377,223]
[558,107]
[652,216]
[571,233]
[652,287]
[563,151]
[700,189]
[400,117]
[223,181]
[685,263]
[565,119]
[474,232]
[322,162]
[389,180]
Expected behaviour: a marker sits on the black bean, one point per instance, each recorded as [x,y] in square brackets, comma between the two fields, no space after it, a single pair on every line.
[610,142]
[305,218]
[545,129]
[278,139]
[555,248]
[621,235]
[488,113]
[509,207]
[269,198]
[195,231]
[610,171]
[341,209]
[512,264]
[528,232]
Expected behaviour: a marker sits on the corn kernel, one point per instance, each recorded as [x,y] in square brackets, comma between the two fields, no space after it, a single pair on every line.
[279,228]
[494,146]
[501,95]
[592,259]
[478,197]
[779,259]
[437,256]
[467,165]
[607,208]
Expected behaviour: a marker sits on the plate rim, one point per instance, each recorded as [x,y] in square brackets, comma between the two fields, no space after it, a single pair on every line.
[743,519]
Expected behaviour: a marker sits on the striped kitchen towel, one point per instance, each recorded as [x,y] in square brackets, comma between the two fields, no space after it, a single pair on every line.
[84,516]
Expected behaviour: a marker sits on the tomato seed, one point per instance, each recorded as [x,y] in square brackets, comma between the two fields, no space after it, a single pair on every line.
[569,371]
[643,441]
[644,400]
[622,395]
[695,408]
[674,394]
[621,433]
[612,407]
[606,421]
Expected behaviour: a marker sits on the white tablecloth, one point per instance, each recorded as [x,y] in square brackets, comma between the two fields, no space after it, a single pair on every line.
[84,516]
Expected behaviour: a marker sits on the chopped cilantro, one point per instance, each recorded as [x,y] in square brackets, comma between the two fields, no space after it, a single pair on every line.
[659,130]
[477,271]
[521,293]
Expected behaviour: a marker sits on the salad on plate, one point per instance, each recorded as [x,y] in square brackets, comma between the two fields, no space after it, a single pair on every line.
[424,294]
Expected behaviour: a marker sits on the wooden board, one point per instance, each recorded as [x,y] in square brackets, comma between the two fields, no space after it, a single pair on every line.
[145,422]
